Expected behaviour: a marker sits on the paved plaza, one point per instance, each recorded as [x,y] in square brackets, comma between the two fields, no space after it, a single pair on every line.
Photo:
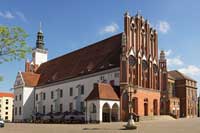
[191,125]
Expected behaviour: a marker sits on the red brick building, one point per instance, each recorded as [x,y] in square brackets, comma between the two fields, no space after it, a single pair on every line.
[178,93]
[140,77]
[186,91]
[170,103]
[147,88]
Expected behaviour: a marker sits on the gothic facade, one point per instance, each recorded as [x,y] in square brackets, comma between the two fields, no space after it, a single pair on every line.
[140,78]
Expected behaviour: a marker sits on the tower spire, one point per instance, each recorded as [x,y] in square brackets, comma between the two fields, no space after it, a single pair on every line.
[40,38]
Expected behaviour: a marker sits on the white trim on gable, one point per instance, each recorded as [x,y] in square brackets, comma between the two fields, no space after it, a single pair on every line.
[19,77]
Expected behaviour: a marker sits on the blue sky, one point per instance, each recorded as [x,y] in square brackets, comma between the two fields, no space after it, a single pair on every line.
[71,24]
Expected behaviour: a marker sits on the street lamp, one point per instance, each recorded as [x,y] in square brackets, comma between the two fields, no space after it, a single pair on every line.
[131,124]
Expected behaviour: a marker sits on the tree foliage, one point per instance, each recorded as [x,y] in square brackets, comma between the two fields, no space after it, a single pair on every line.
[12,44]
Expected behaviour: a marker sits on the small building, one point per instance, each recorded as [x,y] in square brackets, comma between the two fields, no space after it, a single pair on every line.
[6,106]
[104,98]
[186,91]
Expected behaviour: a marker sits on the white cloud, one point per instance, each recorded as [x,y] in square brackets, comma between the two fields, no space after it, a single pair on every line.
[176,61]
[168,52]
[191,70]
[173,61]
[21,16]
[7,15]
[112,28]
[163,26]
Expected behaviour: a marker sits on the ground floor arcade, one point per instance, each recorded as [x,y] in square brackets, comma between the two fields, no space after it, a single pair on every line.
[103,111]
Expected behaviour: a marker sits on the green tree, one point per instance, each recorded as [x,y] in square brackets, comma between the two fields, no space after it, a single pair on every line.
[12,44]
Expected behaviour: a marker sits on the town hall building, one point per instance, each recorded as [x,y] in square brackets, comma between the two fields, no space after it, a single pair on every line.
[108,81]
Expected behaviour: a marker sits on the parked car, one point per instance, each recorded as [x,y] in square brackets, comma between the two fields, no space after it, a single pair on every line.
[47,118]
[74,116]
[1,123]
[37,117]
[57,117]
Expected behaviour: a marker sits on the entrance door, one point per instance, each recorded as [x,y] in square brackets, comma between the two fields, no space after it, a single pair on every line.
[155,107]
[106,113]
[145,109]
[135,105]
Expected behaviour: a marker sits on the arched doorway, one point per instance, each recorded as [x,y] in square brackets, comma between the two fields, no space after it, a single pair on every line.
[135,105]
[145,107]
[115,113]
[106,113]
[155,107]
[93,112]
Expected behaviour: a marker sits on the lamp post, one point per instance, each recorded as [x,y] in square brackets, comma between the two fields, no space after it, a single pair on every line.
[131,124]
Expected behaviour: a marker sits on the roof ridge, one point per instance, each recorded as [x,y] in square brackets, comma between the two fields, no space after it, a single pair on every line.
[182,75]
[83,61]
[77,50]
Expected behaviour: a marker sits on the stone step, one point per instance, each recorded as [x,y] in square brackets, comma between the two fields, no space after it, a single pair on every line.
[159,117]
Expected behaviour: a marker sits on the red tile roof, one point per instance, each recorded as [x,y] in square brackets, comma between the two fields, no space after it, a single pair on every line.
[170,76]
[31,79]
[102,91]
[93,58]
[178,75]
[5,94]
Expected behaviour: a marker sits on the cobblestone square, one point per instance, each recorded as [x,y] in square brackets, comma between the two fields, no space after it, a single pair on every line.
[170,126]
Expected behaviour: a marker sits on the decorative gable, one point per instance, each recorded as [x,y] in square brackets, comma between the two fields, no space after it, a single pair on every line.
[19,80]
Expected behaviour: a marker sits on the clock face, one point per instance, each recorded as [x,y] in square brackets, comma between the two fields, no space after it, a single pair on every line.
[132,60]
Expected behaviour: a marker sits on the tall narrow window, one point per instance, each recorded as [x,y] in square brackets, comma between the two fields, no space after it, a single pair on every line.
[71,91]
[20,110]
[52,95]
[15,110]
[61,93]
[44,96]
[51,108]
[61,107]
[36,97]
[20,97]
[44,109]
[82,89]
